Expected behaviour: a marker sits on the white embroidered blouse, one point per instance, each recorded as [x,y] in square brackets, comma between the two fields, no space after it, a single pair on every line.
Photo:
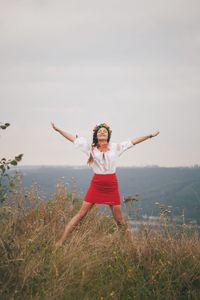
[104,162]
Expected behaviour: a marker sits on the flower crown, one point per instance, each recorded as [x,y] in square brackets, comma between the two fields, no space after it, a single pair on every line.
[97,127]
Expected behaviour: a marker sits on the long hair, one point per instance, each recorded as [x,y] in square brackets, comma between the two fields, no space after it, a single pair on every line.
[95,140]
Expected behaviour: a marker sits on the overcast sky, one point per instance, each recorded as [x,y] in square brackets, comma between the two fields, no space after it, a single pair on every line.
[132,64]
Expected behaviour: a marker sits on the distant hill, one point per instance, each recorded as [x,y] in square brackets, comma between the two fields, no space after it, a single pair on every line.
[178,187]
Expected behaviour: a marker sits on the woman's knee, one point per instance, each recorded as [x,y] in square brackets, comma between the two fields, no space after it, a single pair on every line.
[80,215]
[83,210]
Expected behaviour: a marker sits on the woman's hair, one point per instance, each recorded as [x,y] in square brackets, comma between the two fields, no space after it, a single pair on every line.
[95,140]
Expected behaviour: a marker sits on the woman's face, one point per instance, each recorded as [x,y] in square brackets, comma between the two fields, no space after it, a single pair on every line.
[102,134]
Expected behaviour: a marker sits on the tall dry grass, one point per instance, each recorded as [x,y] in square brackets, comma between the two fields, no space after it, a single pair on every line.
[97,261]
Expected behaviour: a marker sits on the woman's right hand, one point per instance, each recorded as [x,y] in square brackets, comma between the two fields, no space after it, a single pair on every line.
[54,127]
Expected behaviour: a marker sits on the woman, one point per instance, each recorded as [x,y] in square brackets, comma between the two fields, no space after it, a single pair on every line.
[103,189]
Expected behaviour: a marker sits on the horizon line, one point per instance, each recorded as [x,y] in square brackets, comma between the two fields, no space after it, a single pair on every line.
[87,167]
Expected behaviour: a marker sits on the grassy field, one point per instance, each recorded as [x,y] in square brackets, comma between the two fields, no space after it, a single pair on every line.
[97,261]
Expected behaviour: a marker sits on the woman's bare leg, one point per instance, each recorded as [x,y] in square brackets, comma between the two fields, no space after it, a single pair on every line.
[86,206]
[119,218]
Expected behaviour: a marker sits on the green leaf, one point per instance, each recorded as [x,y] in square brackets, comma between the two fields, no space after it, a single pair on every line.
[12,185]
[3,198]
[2,168]
[19,157]
[5,126]
[13,162]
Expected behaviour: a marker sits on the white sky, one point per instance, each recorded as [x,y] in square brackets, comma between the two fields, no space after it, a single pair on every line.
[132,64]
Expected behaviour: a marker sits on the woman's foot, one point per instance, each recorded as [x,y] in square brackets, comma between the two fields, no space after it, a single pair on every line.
[128,233]
[58,244]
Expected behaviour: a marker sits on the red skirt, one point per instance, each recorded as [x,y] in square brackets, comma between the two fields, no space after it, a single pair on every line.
[103,189]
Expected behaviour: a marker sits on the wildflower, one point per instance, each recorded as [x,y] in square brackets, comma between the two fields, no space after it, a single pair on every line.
[130,270]
[112,293]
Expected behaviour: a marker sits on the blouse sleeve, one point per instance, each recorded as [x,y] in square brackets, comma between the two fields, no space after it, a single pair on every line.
[82,144]
[123,146]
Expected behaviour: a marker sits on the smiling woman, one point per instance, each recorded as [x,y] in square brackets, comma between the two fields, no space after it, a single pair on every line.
[102,155]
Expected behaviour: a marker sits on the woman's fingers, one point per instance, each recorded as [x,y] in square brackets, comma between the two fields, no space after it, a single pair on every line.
[156,133]
[54,127]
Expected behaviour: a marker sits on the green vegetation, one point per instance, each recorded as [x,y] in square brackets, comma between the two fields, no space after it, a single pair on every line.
[7,181]
[97,261]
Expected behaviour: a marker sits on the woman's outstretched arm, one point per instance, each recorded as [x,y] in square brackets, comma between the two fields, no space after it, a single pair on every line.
[143,138]
[67,135]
